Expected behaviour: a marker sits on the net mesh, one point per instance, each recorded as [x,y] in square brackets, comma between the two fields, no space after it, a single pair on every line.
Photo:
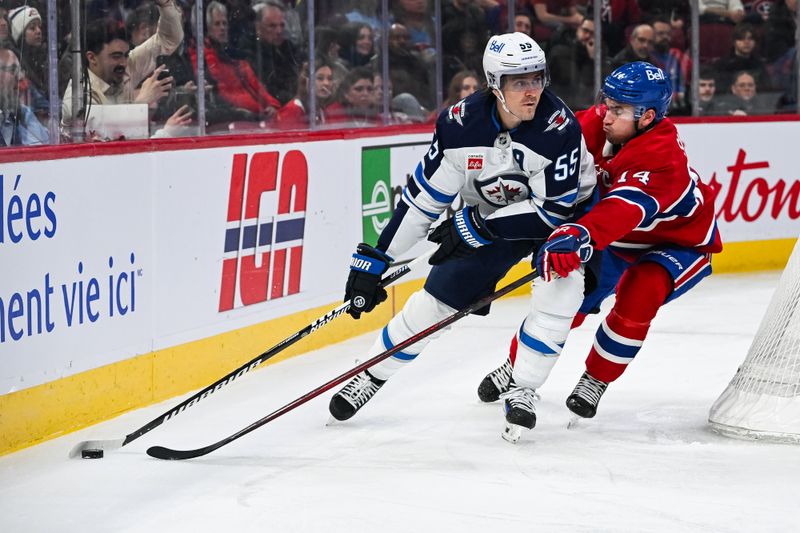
[762,400]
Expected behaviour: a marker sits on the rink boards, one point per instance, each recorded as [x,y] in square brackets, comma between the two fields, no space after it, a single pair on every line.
[137,272]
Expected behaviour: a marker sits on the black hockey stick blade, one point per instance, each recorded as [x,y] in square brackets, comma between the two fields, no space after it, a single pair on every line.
[115,444]
[161,452]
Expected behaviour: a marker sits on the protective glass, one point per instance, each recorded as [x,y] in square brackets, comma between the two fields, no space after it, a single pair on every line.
[605,105]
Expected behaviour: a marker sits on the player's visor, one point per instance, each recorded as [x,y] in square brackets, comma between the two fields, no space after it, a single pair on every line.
[605,105]
[535,81]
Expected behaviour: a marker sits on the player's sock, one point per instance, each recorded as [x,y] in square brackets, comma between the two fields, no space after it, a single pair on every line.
[616,343]
[345,403]
[642,290]
[578,320]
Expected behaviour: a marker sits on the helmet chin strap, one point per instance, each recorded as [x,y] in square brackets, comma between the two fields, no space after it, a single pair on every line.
[502,99]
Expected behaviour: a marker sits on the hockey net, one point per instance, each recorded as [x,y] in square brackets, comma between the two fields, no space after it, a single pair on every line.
[762,400]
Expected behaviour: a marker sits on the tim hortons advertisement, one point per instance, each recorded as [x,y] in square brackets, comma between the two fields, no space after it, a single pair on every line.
[753,166]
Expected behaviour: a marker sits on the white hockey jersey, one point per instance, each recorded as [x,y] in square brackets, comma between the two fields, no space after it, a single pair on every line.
[526,181]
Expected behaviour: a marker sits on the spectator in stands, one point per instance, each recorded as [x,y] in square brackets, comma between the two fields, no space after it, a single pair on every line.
[5,29]
[28,38]
[756,12]
[415,15]
[354,104]
[676,12]
[404,108]
[294,26]
[725,11]
[234,80]
[358,44]
[408,73]
[294,115]
[639,48]
[328,42]
[675,63]
[274,58]
[366,11]
[779,31]
[744,98]
[557,13]
[463,84]
[616,17]
[462,45]
[523,23]
[113,73]
[141,23]
[707,88]
[466,12]
[18,123]
[572,67]
[742,57]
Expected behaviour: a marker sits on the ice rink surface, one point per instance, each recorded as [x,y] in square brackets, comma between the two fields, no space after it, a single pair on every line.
[426,455]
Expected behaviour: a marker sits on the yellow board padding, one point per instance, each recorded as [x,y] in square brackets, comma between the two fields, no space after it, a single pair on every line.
[56,408]
[752,256]
[65,405]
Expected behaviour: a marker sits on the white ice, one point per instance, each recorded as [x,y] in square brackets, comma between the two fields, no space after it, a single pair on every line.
[426,455]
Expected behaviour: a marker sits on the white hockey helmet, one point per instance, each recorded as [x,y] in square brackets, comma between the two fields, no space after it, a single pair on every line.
[512,53]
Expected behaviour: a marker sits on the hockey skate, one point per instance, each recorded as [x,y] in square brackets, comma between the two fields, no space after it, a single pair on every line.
[495,383]
[345,403]
[520,411]
[586,395]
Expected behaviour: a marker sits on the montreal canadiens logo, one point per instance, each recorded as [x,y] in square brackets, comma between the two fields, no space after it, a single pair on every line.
[503,190]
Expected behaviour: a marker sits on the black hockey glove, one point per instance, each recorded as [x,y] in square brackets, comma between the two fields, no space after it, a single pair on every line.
[460,236]
[363,284]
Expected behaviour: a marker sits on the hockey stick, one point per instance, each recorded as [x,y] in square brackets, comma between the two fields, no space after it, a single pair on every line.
[114,444]
[160,452]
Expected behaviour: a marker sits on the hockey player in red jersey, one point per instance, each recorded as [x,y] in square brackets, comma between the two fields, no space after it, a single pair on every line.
[652,232]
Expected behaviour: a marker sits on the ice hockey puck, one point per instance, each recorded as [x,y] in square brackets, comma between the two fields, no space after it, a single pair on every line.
[92,454]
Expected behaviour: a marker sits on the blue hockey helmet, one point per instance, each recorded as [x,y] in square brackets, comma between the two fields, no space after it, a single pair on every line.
[642,85]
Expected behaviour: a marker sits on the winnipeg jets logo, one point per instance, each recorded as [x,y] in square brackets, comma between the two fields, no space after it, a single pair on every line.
[501,191]
[456,112]
[557,121]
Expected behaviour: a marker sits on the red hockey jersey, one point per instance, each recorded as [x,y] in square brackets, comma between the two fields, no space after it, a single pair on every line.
[649,195]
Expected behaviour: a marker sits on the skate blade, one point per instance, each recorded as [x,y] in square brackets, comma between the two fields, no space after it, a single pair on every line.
[513,432]
[574,421]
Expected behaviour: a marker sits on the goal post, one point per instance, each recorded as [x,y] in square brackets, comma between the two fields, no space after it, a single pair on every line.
[762,401]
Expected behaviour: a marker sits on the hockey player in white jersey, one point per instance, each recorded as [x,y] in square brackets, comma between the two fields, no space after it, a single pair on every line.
[516,156]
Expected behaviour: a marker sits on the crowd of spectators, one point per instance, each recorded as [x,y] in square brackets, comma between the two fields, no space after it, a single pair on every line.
[257,56]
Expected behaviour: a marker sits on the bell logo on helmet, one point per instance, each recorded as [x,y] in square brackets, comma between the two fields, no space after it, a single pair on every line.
[496,47]
[654,75]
